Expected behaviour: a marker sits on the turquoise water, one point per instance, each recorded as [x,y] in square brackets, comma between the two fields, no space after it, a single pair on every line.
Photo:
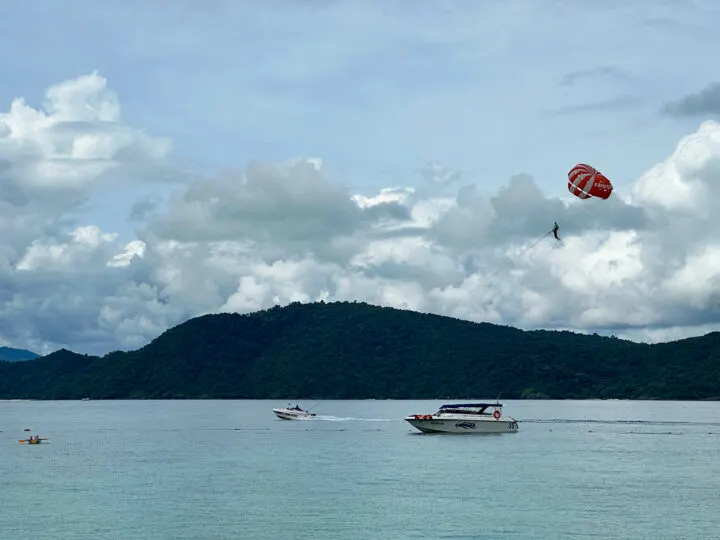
[229,469]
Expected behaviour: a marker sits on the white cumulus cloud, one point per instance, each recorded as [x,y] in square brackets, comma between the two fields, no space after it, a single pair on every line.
[642,264]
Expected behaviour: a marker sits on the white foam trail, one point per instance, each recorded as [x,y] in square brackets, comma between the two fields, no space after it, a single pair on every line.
[331,418]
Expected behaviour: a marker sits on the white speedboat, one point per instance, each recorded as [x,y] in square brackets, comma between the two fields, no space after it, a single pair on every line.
[465,418]
[292,413]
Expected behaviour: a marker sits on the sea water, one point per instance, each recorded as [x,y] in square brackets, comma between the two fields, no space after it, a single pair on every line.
[230,469]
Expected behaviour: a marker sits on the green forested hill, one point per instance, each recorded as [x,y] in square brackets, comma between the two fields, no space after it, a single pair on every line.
[9,354]
[352,350]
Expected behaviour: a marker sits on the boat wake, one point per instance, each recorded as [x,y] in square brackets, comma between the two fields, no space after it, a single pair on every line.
[619,422]
[331,418]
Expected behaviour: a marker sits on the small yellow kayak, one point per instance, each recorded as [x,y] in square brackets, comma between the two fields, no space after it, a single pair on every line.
[33,441]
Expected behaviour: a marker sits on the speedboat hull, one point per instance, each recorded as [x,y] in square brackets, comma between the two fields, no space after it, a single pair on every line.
[433,424]
[292,414]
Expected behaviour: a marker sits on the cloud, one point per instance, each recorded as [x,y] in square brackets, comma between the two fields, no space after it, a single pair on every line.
[704,103]
[611,104]
[436,173]
[73,139]
[599,72]
[142,209]
[645,263]
[288,208]
[685,182]
[52,160]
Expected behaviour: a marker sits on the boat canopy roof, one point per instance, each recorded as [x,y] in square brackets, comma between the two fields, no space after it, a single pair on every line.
[470,405]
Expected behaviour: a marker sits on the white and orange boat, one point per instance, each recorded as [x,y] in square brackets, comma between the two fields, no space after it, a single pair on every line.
[465,418]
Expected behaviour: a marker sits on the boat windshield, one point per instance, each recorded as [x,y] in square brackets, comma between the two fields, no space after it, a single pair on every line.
[467,408]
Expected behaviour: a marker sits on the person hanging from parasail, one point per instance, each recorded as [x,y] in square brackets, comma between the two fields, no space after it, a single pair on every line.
[555,230]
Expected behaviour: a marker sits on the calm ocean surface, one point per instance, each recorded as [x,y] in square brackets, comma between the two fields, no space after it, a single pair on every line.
[230,469]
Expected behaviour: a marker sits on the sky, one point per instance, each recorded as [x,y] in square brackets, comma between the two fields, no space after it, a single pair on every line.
[165,160]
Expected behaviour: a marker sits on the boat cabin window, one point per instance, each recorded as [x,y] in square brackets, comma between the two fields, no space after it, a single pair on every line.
[464,411]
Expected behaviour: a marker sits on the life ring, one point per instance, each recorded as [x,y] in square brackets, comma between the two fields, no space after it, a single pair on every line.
[496,415]
[427,417]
